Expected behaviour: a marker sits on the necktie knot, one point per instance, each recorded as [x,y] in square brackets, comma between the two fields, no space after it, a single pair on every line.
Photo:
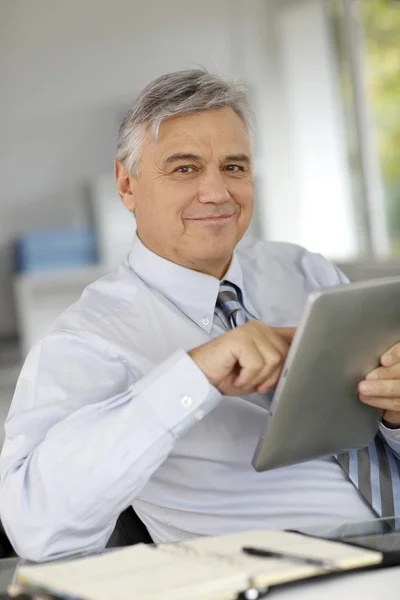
[229,305]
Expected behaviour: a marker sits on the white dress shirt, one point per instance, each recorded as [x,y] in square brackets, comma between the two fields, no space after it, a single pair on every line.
[110,410]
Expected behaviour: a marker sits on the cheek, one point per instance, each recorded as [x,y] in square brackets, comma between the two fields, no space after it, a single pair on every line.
[164,205]
[178,199]
[242,193]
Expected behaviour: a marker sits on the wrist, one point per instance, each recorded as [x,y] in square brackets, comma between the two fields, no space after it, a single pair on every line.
[197,356]
[205,360]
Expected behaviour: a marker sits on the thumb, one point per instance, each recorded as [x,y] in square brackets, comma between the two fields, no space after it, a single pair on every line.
[286,332]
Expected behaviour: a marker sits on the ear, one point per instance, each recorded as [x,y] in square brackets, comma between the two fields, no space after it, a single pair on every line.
[124,186]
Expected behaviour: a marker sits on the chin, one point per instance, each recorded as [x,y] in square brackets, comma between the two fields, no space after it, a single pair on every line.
[213,254]
[212,250]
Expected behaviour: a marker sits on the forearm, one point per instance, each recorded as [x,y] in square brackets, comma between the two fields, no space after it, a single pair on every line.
[66,494]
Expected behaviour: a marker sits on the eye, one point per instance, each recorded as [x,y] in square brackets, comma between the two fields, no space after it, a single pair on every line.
[184,169]
[234,168]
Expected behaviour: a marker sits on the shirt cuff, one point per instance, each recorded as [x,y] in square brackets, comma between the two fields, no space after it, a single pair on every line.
[178,392]
[391,437]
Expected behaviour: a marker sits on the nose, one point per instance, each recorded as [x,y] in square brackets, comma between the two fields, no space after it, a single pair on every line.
[213,189]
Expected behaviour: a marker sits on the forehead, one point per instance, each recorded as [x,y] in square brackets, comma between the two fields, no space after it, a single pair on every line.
[220,129]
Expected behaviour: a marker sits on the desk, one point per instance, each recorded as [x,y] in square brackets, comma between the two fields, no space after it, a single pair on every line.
[372,585]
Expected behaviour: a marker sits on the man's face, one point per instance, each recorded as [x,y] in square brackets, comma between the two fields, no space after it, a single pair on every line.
[193,199]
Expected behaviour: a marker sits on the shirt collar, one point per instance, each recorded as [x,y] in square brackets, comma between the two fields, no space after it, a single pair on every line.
[194,293]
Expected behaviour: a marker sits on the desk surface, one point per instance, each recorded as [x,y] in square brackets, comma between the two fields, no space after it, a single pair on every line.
[372,585]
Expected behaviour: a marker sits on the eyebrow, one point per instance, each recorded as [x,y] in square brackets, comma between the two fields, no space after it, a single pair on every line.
[179,156]
[182,156]
[244,158]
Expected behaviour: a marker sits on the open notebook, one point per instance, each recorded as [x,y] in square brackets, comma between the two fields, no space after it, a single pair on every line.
[202,569]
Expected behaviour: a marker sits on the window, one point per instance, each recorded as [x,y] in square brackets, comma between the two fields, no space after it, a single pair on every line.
[366,42]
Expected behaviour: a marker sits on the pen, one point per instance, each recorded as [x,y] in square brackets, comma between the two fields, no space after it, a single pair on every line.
[305,560]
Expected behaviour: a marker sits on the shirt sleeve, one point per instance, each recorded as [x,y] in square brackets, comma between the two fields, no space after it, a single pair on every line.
[321,272]
[392,438]
[83,436]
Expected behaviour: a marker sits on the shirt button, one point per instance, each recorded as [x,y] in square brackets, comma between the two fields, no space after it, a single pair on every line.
[186,401]
[205,321]
[199,415]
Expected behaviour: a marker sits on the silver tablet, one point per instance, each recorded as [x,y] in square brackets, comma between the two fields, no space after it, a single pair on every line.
[316,411]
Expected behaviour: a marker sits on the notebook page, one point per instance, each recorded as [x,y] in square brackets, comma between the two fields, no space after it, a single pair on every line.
[261,571]
[139,570]
[270,571]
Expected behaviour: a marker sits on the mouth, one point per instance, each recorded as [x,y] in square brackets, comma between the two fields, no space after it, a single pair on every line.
[213,219]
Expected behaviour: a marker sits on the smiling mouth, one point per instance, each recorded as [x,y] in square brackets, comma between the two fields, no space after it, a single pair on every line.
[212,218]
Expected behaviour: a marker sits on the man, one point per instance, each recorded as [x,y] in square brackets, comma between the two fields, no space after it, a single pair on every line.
[138,394]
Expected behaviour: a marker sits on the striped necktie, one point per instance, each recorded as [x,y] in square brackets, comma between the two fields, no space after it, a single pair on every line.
[374,470]
[230,306]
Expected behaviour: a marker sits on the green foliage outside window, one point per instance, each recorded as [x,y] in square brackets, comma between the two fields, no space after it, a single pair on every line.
[381,24]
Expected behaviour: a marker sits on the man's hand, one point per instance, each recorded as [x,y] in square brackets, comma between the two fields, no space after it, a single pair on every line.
[381,387]
[247,359]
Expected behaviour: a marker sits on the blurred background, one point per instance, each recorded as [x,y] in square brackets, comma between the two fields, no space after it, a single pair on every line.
[324,77]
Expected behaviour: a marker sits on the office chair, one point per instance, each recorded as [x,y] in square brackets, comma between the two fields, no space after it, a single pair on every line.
[6,550]
[129,530]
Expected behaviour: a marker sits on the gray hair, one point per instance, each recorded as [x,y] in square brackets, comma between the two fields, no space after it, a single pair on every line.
[179,93]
